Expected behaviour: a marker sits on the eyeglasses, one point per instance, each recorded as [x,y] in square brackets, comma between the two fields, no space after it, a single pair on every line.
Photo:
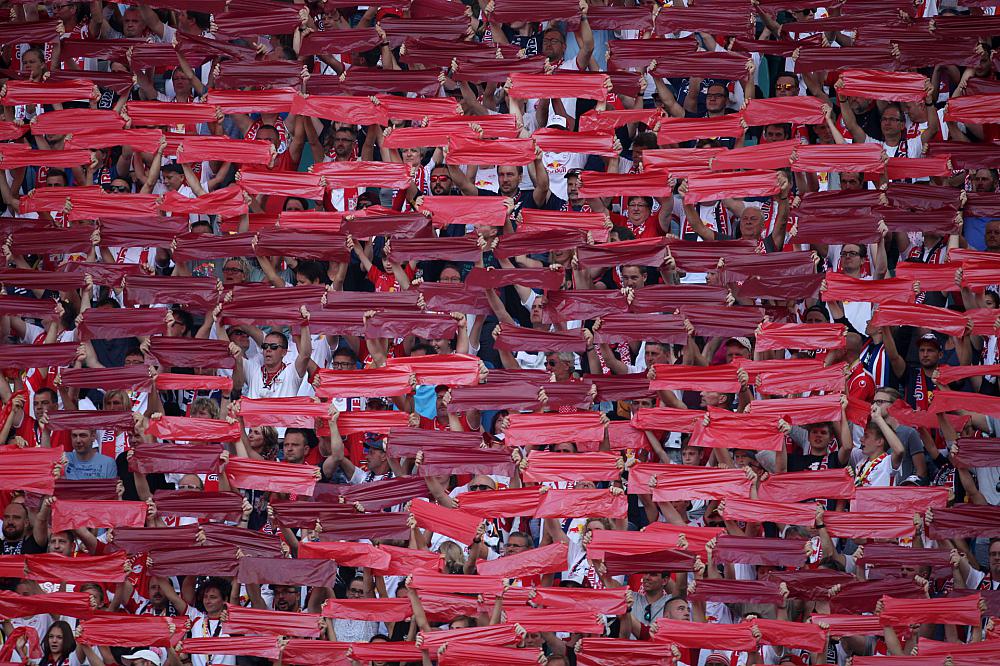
[882,402]
[850,253]
[232,269]
[891,119]
[118,188]
[271,345]
[238,332]
[550,364]
[785,86]
[440,179]
[479,486]
[342,365]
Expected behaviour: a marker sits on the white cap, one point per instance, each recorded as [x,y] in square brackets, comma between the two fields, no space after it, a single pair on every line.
[148,655]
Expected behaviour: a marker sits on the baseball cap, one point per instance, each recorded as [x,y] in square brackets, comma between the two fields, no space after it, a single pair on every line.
[741,341]
[932,338]
[912,480]
[148,655]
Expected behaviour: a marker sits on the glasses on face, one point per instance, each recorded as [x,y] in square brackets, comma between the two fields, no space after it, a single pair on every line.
[850,253]
[440,179]
[342,365]
[785,86]
[479,486]
[232,269]
[118,188]
[882,402]
[272,345]
[550,364]
[891,119]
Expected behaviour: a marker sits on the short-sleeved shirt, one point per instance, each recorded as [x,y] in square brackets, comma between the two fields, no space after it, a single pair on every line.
[98,467]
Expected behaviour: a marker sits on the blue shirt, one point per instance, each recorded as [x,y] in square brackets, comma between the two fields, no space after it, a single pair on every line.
[98,467]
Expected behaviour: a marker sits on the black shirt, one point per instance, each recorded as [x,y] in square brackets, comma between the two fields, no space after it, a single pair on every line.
[25,546]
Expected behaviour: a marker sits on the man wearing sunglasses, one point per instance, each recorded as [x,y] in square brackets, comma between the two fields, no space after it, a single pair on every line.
[271,376]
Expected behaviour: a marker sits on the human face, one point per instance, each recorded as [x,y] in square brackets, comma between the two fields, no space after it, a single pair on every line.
[716,98]
[564,447]
[182,84]
[819,439]
[573,188]
[82,441]
[479,483]
[341,362]
[268,134]
[690,456]
[850,181]
[65,11]
[274,350]
[15,521]
[510,180]
[774,134]
[173,180]
[929,355]
[559,367]
[296,447]
[633,278]
[156,594]
[553,45]
[516,544]
[743,459]
[736,350]
[42,403]
[815,317]
[356,590]
[652,583]
[872,444]
[190,483]
[450,276]
[411,156]
[892,123]
[677,609]
[232,273]
[536,310]
[376,459]
[993,236]
[851,258]
[132,23]
[712,399]
[60,544]
[343,144]
[786,86]
[55,640]
[213,601]
[441,182]
[751,222]
[286,598]
[656,354]
[983,181]
[34,65]
[994,556]
[256,438]
[638,210]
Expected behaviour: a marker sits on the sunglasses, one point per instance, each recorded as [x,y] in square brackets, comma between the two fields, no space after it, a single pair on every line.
[479,486]
[785,86]
[440,179]
[232,269]
[118,188]
[550,364]
[271,345]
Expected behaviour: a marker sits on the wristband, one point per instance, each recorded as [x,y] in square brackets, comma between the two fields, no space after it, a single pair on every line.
[820,526]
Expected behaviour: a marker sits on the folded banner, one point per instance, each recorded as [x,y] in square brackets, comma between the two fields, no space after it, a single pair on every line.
[760,511]
[131,378]
[198,293]
[530,242]
[695,378]
[800,411]
[850,625]
[370,383]
[533,278]
[572,503]
[759,551]
[107,324]
[875,525]
[177,459]
[608,121]
[965,521]
[169,114]
[285,183]
[950,401]
[650,183]
[457,583]
[516,338]
[208,505]
[791,379]
[53,567]
[402,324]
[640,252]
[878,84]
[454,523]
[76,419]
[124,630]
[300,412]
[905,500]
[673,419]
[681,481]
[556,619]
[227,202]
[771,155]
[462,248]
[169,381]
[716,64]
[977,452]
[555,140]
[802,110]
[253,544]
[738,591]
[578,304]
[74,514]
[842,157]
[136,541]
[679,130]
[537,220]
[533,562]
[714,187]
[450,369]
[774,336]
[179,428]
[502,152]
[190,353]
[554,466]
[546,86]
[25,357]
[932,277]
[861,596]
[696,635]
[275,100]
[490,211]
[538,429]
[801,486]
[363,174]
[497,635]
[223,149]
[70,604]
[240,620]
[209,560]
[342,108]
[273,476]
[840,287]
[793,635]
[507,503]
[960,610]
[280,571]
[891,556]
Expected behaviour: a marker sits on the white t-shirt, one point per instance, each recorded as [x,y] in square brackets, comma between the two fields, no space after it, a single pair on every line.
[285,385]
[214,630]
[880,476]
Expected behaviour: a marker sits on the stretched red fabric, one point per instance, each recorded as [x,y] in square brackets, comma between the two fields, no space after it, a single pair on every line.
[199,293]
[359,110]
[462,248]
[536,220]
[432,52]
[681,481]
[240,620]
[608,121]
[364,81]
[454,523]
[793,635]
[506,503]
[16,156]
[371,383]
[26,307]
[679,130]
[965,654]
[402,324]
[610,601]
[497,635]
[890,555]
[273,476]
[965,521]
[306,652]
[667,418]
[143,140]
[861,596]
[716,186]
[11,132]
[577,304]
[552,428]
[617,328]
[849,625]
[280,571]
[546,86]
[555,140]
[74,419]
[501,126]
[72,604]
[24,357]
[641,252]
[774,336]
[978,267]
[716,64]
[418,108]
[738,591]
[404,561]
[619,652]
[192,429]
[62,121]
[925,167]
[130,378]
[227,201]
[518,338]
[978,452]
[651,183]
[46,92]
[984,321]
[530,242]
[630,53]
[72,514]
[533,562]
[276,100]
[363,174]
[497,71]
[177,459]
[490,211]
[874,525]
[368,526]
[223,149]
[469,654]
[843,157]
[208,505]
[167,114]
[345,553]
[124,630]
[573,503]
[508,11]
[506,152]
[791,379]
[927,316]
[704,18]
[938,221]
[310,219]
[840,287]
[369,421]
[264,647]
[904,500]
[799,486]
[640,474]
[979,109]
[803,110]
[288,412]
[139,540]
[819,58]
[960,610]
[452,583]
[286,183]
[695,378]
[31,470]
[236,74]
[932,277]
[340,41]
[549,466]
[52,567]
[878,84]
[800,411]
[209,560]
[556,619]
[439,461]
[760,511]
[451,369]
[681,162]
[105,275]
[922,196]
[701,635]
[533,278]
[772,155]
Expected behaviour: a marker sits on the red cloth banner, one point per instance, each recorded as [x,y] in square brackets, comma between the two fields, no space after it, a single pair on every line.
[506,152]
[402,324]
[223,149]
[281,571]
[552,466]
[842,157]
[556,619]
[226,202]
[517,338]
[461,248]
[681,481]
[24,357]
[877,525]
[800,411]
[840,287]
[617,328]
[537,429]
[358,110]
[46,92]
[209,505]
[457,583]
[17,156]
[904,500]
[490,211]
[284,183]
[772,155]
[716,186]
[370,383]
[533,278]
[288,412]
[977,452]
[363,174]
[276,100]
[639,252]
[454,523]
[694,635]
[178,428]
[738,591]
[792,379]
[469,654]
[610,601]
[679,130]
[965,521]
[978,109]
[178,459]
[800,486]
[52,567]
[451,369]
[667,418]
[926,316]
[71,604]
[850,625]
[555,140]
[506,503]
[133,378]
[878,84]
[169,114]
[532,562]
[497,635]
[774,336]
[345,553]
[340,41]
[573,503]
[695,378]
[932,277]
[651,183]
[794,635]
[80,419]
[143,140]
[67,121]
[758,433]
[960,610]
[273,476]
[761,511]
[608,121]
[264,647]
[30,470]
[547,86]
[124,630]
[579,304]
[681,162]
[801,110]
[73,514]
[349,423]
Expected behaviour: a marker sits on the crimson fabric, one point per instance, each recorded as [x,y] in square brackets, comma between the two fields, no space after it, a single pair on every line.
[978,452]
[800,486]
[208,560]
[695,378]
[206,246]
[33,31]
[71,604]
[412,439]
[610,601]
[532,562]
[965,521]
[236,74]
[700,635]
[681,481]
[151,539]
[52,567]
[62,121]
[888,555]
[241,620]
[502,126]
[794,635]
[177,459]
[578,304]
[166,114]
[679,130]
[932,277]
[73,514]
[208,505]
[904,500]
[516,338]
[24,357]
[818,58]
[227,201]
[737,591]
[926,167]
[651,183]
[877,84]
[802,110]
[34,241]
[536,429]
[758,433]
[555,140]
[506,503]
[17,156]
[630,53]
[949,401]
[713,187]
[984,321]
[943,221]
[961,610]
[124,630]
[979,109]
[497,635]
[287,183]
[27,307]
[618,652]
[465,210]
[370,383]
[639,252]
[618,564]
[497,71]
[457,583]
[705,18]
[143,140]
[760,511]
[722,64]
[608,121]
[667,418]
[402,324]
[197,293]
[365,81]
[530,242]
[861,596]
[454,523]
[901,411]
[774,336]
[552,466]
[468,654]
[404,561]
[840,287]
[681,162]
[340,41]
[223,149]
[341,108]
[800,411]
[575,84]
[265,647]
[345,553]
[418,108]
[363,174]
[772,155]
[621,387]
[280,571]
[792,379]
[169,381]
[573,503]
[842,157]
[451,369]
[850,625]
[463,248]
[276,100]
[41,280]
[289,412]
[106,324]
[873,525]
[508,152]
[272,476]
[193,429]
[440,461]
[442,297]
[349,423]
[316,653]
[135,378]
[368,526]
[75,419]
[533,278]
[555,619]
